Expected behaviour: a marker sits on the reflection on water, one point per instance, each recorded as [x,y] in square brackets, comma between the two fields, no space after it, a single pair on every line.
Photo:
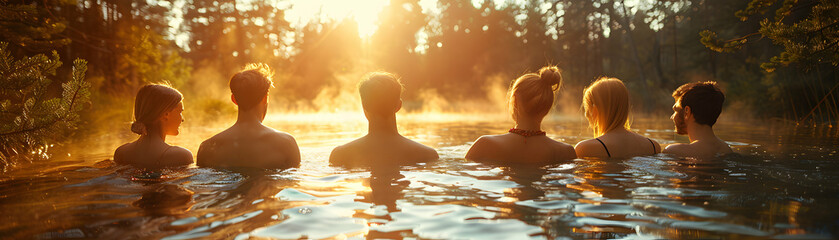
[784,185]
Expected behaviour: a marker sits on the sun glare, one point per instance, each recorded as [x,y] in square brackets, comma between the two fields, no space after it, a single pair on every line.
[364,12]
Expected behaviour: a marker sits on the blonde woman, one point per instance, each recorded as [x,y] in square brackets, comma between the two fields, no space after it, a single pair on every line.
[606,106]
[531,98]
[157,114]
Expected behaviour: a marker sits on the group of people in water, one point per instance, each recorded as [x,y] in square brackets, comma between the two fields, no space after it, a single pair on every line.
[248,143]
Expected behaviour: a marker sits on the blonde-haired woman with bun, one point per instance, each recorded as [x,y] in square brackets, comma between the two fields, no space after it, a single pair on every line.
[530,99]
[157,114]
[606,107]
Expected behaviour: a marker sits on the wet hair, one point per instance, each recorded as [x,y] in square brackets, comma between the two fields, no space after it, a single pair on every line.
[151,102]
[609,99]
[705,100]
[380,91]
[533,93]
[251,85]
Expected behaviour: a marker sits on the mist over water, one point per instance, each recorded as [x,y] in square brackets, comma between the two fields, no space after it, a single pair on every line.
[778,188]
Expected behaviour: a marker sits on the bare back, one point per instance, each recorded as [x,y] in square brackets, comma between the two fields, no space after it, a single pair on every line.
[618,144]
[699,149]
[514,148]
[152,155]
[381,150]
[250,146]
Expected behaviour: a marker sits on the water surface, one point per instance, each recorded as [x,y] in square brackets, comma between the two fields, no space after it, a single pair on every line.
[783,185]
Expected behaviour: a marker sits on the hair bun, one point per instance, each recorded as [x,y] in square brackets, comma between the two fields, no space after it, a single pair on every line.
[550,76]
[139,128]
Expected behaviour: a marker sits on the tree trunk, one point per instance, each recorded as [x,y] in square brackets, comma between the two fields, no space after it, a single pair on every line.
[635,58]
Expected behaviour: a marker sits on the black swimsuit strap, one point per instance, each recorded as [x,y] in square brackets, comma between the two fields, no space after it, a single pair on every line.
[651,142]
[604,147]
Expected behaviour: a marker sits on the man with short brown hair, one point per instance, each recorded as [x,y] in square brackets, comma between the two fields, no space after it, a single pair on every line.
[383,145]
[248,143]
[697,107]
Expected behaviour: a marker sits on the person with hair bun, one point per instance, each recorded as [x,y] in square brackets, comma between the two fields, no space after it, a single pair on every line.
[249,143]
[530,100]
[157,113]
[606,107]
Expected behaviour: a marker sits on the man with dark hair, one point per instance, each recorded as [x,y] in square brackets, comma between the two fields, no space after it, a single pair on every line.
[248,143]
[383,145]
[696,110]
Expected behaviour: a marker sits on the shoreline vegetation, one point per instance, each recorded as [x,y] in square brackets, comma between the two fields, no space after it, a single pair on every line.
[776,60]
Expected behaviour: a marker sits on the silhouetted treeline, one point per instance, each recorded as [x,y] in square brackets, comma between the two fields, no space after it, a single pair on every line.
[458,51]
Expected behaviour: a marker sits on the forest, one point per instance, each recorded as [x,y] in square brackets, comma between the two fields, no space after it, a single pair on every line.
[776,59]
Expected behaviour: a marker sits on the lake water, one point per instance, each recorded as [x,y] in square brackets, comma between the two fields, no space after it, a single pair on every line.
[783,185]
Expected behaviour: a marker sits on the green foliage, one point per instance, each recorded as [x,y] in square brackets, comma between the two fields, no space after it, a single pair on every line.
[808,42]
[32,26]
[143,59]
[30,119]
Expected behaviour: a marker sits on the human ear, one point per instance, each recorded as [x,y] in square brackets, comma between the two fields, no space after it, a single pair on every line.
[233,98]
[399,105]
[688,114]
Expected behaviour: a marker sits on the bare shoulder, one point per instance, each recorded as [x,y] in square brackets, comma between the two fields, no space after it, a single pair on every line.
[482,147]
[425,151]
[566,150]
[590,148]
[680,149]
[121,152]
[178,156]
[288,146]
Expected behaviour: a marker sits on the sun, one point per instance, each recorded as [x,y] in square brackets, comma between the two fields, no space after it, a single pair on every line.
[364,12]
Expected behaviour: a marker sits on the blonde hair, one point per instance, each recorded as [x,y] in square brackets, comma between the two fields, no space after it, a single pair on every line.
[151,102]
[251,85]
[608,99]
[533,93]
[379,92]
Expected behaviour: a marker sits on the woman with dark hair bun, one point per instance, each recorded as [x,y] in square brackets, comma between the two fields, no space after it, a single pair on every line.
[530,99]
[157,113]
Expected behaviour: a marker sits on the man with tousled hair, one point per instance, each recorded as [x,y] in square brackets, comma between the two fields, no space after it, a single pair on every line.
[697,107]
[383,145]
[248,143]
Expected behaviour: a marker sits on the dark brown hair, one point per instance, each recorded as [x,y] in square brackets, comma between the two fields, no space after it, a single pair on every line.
[705,100]
[251,85]
[379,92]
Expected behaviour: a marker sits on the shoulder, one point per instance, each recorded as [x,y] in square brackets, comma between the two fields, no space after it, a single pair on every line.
[483,146]
[278,137]
[343,154]
[590,148]
[178,156]
[566,150]
[656,145]
[121,152]
[677,148]
[426,151]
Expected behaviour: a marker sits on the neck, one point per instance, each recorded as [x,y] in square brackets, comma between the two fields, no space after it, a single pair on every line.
[698,132]
[382,125]
[616,130]
[153,136]
[529,123]
[249,117]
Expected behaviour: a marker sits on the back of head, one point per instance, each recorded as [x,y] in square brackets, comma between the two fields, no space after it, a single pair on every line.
[151,102]
[705,100]
[251,85]
[533,94]
[606,105]
[380,93]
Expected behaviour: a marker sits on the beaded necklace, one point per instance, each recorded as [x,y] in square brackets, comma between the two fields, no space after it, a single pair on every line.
[526,133]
